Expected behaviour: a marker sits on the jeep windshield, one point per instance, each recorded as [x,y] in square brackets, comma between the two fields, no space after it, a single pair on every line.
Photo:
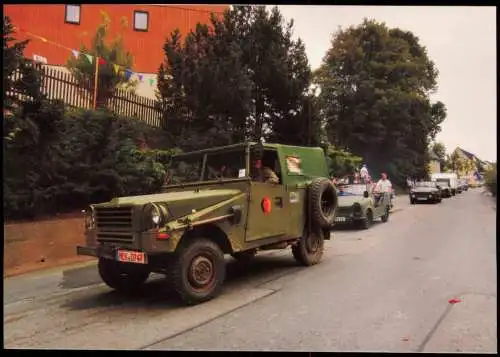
[351,190]
[207,166]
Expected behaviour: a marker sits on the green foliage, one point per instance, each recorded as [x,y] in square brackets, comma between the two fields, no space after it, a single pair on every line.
[26,84]
[72,158]
[340,162]
[113,53]
[490,179]
[375,86]
[438,150]
[244,77]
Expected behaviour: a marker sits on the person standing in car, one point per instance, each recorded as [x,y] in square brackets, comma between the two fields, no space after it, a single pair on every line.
[383,186]
[363,173]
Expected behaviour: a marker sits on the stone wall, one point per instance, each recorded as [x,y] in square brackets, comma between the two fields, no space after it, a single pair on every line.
[30,246]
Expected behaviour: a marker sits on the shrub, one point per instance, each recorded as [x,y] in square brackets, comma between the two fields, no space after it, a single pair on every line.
[490,179]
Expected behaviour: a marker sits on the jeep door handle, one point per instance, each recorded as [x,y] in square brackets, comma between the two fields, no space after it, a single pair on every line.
[278,201]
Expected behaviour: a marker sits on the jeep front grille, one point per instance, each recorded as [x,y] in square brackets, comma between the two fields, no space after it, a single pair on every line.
[115,237]
[114,224]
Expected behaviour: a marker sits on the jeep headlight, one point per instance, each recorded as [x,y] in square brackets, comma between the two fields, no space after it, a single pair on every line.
[156,215]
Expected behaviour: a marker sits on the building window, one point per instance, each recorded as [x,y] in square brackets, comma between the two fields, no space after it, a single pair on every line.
[141,19]
[72,14]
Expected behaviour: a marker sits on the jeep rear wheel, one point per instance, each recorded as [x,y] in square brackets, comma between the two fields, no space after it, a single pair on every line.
[385,217]
[123,277]
[309,249]
[198,271]
[368,220]
[322,203]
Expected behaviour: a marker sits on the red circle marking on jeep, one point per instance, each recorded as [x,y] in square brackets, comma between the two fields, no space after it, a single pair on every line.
[266,205]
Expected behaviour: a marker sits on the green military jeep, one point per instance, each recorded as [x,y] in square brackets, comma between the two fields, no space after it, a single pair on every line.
[232,200]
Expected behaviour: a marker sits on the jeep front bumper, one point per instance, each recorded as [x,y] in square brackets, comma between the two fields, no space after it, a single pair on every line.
[98,252]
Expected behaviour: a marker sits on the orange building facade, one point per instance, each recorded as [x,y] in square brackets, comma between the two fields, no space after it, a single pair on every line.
[148,25]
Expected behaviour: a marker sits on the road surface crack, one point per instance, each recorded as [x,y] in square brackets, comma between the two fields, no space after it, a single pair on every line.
[434,328]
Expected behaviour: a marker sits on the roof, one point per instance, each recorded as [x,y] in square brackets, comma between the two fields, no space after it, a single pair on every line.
[241,146]
[468,154]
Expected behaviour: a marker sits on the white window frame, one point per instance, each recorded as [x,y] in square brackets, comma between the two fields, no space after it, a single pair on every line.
[141,12]
[66,13]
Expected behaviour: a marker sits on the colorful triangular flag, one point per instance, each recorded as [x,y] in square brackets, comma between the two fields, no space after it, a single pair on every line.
[140,76]
[128,73]
[151,81]
[116,68]
[101,60]
[90,58]
[75,53]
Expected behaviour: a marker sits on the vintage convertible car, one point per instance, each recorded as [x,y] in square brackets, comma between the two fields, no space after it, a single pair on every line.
[425,191]
[359,205]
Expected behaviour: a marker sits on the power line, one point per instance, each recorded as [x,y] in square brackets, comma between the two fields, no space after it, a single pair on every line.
[189,9]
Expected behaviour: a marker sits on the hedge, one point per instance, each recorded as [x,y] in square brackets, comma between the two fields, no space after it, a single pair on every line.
[59,160]
[491,180]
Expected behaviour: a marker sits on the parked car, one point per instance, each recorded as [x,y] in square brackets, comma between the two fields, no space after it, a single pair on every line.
[425,191]
[445,189]
[447,177]
[266,196]
[464,185]
[358,205]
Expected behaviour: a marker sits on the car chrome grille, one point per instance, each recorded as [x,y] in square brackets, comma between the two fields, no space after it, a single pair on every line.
[344,210]
[114,224]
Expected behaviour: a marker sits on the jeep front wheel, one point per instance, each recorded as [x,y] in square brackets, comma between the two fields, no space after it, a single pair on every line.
[123,277]
[198,271]
[309,249]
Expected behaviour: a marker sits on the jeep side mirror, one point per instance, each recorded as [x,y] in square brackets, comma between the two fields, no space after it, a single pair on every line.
[365,194]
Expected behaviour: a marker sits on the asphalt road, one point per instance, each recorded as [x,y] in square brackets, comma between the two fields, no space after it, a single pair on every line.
[385,289]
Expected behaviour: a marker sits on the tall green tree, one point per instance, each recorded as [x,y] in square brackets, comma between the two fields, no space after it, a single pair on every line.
[375,86]
[112,52]
[242,77]
[21,78]
[438,150]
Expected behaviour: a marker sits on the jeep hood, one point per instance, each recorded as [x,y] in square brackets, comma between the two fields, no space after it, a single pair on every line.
[347,201]
[179,203]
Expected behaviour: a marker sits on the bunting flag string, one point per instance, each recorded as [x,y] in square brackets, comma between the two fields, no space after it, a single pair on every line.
[128,73]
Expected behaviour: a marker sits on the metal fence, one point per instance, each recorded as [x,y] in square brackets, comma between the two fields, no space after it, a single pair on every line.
[56,84]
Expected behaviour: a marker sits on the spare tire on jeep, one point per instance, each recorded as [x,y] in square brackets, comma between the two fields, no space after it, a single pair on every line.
[322,202]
